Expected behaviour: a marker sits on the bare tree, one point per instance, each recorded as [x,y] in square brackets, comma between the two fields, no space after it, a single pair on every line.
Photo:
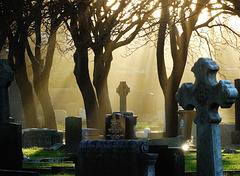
[16,22]
[103,26]
[179,21]
[46,24]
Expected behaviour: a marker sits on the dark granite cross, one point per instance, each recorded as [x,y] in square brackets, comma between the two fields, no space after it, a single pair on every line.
[6,77]
[123,90]
[206,95]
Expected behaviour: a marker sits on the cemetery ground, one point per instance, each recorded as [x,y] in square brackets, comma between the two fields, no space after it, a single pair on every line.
[231,162]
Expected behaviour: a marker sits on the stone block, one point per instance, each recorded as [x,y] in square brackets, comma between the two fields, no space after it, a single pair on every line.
[41,138]
[115,157]
[11,146]
[73,133]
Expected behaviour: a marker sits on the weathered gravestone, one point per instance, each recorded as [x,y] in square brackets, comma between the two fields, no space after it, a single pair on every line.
[41,137]
[91,134]
[10,133]
[120,125]
[73,133]
[115,158]
[6,77]
[123,91]
[206,95]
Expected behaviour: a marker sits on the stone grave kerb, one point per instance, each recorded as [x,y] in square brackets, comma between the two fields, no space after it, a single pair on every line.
[206,95]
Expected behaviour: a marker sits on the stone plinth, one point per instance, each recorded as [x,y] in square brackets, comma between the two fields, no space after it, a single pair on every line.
[115,158]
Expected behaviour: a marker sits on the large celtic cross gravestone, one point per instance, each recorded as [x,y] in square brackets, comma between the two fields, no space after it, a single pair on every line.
[123,90]
[206,95]
[6,77]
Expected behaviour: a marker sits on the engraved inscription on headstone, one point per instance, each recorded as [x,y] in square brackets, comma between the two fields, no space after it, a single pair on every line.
[206,95]
[115,126]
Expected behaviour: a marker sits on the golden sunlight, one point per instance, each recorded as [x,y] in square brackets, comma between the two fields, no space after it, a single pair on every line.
[113,3]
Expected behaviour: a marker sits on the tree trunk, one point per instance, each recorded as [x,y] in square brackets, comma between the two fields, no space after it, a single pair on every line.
[102,64]
[25,88]
[41,73]
[104,104]
[81,73]
[171,107]
[41,89]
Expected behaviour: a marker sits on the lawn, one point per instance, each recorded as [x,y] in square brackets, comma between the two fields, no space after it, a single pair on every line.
[37,152]
[229,161]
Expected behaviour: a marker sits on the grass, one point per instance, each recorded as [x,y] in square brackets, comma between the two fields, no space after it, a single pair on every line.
[229,161]
[36,152]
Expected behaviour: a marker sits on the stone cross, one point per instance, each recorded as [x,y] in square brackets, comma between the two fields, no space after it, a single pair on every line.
[206,95]
[123,91]
[6,77]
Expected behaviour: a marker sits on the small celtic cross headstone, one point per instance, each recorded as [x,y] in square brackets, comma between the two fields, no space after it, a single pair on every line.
[206,95]
[123,91]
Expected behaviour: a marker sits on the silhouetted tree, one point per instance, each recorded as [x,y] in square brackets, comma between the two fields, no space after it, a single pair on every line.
[102,26]
[178,21]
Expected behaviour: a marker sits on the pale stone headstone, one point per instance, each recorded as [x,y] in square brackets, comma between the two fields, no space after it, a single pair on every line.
[123,91]
[206,95]
[60,114]
[91,134]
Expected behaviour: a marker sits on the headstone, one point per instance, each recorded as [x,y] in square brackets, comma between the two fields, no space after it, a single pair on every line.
[226,131]
[121,125]
[123,91]
[73,133]
[11,146]
[91,134]
[41,138]
[60,114]
[6,77]
[235,135]
[115,157]
[185,119]
[10,133]
[15,104]
[206,95]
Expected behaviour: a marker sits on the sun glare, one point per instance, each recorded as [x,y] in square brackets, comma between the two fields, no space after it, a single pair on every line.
[113,3]
[157,13]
